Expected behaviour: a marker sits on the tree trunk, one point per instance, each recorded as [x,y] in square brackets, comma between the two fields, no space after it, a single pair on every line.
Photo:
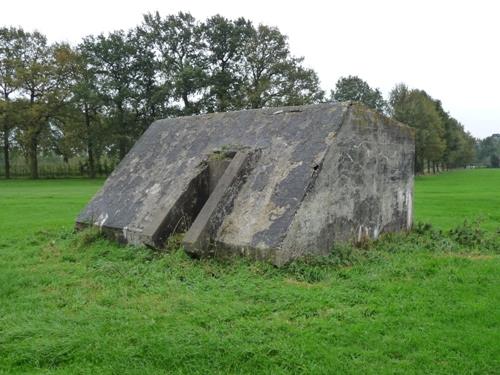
[91,161]
[33,157]
[6,141]
[90,146]
[33,145]
[122,136]
[122,147]
[419,167]
[187,105]
[6,152]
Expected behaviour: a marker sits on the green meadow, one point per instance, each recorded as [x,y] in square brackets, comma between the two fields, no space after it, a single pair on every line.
[424,302]
[448,199]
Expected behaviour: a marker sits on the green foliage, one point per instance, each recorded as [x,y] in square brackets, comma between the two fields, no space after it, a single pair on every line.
[495,161]
[110,64]
[10,58]
[176,43]
[225,43]
[273,76]
[470,234]
[87,237]
[416,109]
[355,89]
[440,139]
[222,154]
[38,74]
[423,302]
[488,151]
[459,145]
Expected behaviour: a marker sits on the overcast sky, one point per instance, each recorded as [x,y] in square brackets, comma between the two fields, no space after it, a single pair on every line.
[451,49]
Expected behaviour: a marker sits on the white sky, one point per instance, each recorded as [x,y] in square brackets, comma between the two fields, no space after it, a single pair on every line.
[451,49]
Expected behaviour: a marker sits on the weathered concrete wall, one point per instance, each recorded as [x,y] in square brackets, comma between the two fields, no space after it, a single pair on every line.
[324,173]
[364,187]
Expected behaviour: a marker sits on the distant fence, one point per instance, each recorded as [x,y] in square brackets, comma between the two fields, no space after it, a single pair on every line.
[57,169]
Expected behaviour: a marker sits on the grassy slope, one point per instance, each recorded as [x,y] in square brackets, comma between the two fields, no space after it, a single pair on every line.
[78,304]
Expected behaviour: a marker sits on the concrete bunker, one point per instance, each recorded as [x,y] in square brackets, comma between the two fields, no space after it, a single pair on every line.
[274,184]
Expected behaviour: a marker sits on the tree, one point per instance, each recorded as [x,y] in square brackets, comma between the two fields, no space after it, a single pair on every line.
[440,139]
[459,145]
[85,119]
[224,41]
[273,77]
[416,109]
[224,65]
[43,79]
[177,44]
[10,48]
[495,161]
[434,144]
[469,149]
[111,59]
[354,88]
[487,148]
[151,96]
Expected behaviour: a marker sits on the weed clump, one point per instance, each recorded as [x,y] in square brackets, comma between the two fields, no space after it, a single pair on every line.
[467,238]
[87,237]
[469,234]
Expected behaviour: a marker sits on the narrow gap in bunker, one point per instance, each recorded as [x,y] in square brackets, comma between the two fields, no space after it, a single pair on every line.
[217,165]
[203,186]
[190,203]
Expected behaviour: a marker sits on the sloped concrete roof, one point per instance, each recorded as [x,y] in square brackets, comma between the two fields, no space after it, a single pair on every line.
[154,173]
[292,144]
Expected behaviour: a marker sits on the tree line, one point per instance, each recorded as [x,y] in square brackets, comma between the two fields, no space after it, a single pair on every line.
[441,141]
[94,100]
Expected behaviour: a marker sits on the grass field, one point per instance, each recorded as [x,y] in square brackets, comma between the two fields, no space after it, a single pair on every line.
[421,303]
[446,200]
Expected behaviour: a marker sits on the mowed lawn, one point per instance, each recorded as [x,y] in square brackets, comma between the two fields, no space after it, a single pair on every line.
[423,303]
[447,199]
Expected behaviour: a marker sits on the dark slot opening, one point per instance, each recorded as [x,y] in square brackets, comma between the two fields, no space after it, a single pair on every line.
[190,203]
